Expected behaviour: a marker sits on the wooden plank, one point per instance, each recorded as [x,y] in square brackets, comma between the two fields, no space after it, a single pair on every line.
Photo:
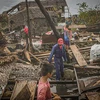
[93,96]
[43,57]
[24,94]
[7,50]
[82,86]
[34,57]
[85,48]
[93,67]
[24,90]
[27,55]
[17,89]
[32,85]
[23,61]
[81,61]
[77,26]
[39,55]
[94,82]
[93,88]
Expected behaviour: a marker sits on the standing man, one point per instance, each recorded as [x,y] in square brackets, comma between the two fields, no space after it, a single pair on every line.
[59,53]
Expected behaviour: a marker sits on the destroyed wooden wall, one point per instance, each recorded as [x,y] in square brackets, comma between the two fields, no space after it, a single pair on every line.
[18,19]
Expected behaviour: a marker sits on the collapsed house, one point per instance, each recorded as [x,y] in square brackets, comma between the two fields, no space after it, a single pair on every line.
[82,79]
[37,20]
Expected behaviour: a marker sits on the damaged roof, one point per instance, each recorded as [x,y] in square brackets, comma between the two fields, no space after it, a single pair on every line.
[20,17]
[21,5]
[34,12]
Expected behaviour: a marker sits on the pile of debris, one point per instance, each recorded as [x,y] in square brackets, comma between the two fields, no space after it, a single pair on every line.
[78,71]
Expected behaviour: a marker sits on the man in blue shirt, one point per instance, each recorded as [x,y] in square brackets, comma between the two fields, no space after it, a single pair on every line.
[59,53]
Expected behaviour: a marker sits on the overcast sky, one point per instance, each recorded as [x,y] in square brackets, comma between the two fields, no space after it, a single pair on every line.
[72,4]
[7,4]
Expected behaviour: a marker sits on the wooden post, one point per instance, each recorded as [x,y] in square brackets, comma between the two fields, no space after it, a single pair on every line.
[49,19]
[29,28]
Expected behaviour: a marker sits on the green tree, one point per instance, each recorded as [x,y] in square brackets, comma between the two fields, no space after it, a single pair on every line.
[88,15]
[82,7]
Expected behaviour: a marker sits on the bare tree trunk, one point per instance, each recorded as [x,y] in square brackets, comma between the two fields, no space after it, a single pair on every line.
[49,19]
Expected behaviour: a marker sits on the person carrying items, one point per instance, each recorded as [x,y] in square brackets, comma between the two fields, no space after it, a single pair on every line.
[58,50]
[44,92]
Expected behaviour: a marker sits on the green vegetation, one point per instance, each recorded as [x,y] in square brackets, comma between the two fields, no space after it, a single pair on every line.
[88,15]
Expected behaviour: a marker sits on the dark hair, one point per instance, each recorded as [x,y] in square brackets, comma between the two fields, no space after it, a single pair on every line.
[46,68]
[67,26]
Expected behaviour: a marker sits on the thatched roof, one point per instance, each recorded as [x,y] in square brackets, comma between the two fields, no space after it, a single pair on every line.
[46,2]
[22,5]
[36,13]
[20,18]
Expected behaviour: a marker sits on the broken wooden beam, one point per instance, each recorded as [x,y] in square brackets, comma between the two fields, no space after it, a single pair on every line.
[24,90]
[93,95]
[81,61]
[32,85]
[85,48]
[46,54]
[27,55]
[22,61]
[20,90]
[88,89]
[79,90]
[82,87]
[7,50]
[34,57]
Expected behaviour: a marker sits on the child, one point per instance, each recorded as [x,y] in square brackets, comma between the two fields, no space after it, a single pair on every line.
[44,92]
